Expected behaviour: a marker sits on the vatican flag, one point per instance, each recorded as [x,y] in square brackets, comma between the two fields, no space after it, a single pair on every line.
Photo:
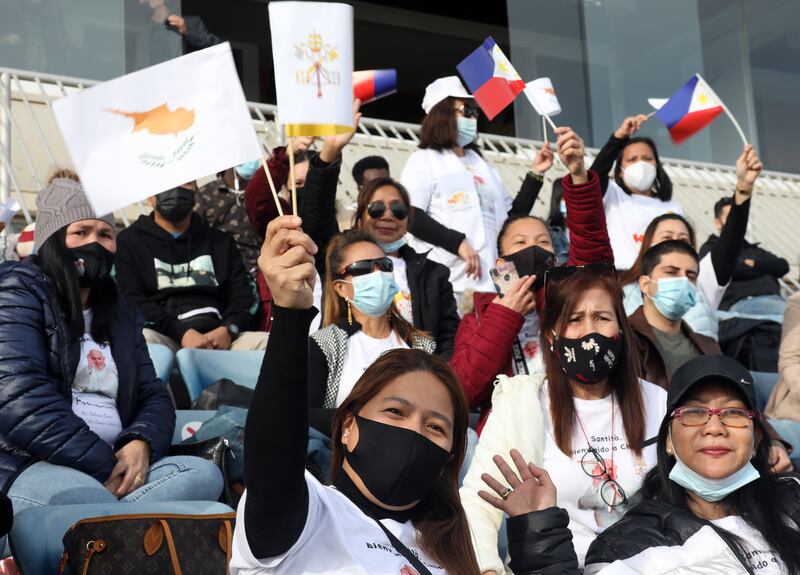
[312,49]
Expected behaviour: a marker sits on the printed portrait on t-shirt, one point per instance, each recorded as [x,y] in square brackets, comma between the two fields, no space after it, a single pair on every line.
[97,372]
[601,493]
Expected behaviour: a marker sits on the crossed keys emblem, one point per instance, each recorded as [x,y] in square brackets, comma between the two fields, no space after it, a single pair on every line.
[320,54]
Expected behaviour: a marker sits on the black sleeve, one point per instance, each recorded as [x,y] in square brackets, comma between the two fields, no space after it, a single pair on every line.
[276,437]
[429,230]
[317,206]
[725,253]
[605,159]
[449,321]
[540,542]
[317,374]
[197,35]
[770,264]
[321,419]
[528,192]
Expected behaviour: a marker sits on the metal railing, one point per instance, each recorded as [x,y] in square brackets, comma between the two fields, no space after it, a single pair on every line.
[31,147]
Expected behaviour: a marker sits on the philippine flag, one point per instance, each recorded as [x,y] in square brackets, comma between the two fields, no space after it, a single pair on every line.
[693,107]
[371,85]
[491,78]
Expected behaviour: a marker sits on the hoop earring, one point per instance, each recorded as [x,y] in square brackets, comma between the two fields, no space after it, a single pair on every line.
[349,314]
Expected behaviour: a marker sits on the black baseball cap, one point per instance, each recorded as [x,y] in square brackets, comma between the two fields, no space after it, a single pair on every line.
[710,368]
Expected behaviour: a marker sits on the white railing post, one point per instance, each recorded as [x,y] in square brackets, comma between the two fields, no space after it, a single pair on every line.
[5,135]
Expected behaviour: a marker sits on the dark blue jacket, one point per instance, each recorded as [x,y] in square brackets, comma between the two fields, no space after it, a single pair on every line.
[38,360]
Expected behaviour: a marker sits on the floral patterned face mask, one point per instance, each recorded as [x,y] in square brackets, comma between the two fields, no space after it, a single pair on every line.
[590,359]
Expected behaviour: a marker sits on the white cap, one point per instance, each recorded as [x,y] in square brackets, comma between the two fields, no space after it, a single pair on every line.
[442,88]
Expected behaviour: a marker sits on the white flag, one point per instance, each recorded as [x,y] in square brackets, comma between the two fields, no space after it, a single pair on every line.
[149,131]
[542,96]
[8,210]
[312,49]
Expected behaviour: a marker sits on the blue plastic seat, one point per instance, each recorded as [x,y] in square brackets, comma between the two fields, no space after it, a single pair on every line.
[163,359]
[36,538]
[202,367]
[764,383]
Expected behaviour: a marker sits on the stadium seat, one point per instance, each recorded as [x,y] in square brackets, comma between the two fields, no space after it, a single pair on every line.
[193,418]
[202,367]
[764,383]
[163,360]
[36,538]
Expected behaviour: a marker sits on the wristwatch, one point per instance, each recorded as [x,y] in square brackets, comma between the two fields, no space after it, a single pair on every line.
[233,329]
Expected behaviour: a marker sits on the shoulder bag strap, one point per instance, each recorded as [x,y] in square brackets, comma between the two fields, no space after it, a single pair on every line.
[404,551]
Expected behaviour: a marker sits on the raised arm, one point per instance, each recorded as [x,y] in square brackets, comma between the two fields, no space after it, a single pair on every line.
[276,432]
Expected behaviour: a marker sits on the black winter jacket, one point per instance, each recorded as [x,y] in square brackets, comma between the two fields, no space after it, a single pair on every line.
[38,360]
[166,277]
[539,542]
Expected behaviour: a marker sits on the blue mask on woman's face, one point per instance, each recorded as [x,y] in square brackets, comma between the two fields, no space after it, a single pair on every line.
[373,293]
[392,247]
[675,297]
[712,489]
[467,130]
[247,169]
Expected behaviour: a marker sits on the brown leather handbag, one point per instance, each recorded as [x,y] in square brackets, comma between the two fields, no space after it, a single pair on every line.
[163,544]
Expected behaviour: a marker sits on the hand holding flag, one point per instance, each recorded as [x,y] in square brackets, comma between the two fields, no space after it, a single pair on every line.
[571,152]
[748,168]
[630,126]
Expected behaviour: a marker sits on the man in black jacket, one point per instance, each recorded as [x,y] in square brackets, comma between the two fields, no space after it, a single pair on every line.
[188,280]
[754,288]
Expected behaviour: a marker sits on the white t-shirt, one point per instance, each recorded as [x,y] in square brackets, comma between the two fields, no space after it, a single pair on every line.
[579,493]
[528,338]
[94,389]
[761,559]
[627,218]
[337,539]
[402,299]
[361,351]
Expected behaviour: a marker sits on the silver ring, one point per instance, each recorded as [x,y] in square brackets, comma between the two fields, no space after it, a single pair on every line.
[504,494]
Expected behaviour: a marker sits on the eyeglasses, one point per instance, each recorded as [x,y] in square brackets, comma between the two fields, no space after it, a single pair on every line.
[468,111]
[364,267]
[377,208]
[563,272]
[611,492]
[697,416]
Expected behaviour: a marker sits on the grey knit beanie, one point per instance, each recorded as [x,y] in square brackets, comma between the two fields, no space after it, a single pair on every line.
[60,204]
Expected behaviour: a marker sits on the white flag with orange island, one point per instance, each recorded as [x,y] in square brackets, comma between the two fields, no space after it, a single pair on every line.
[154,129]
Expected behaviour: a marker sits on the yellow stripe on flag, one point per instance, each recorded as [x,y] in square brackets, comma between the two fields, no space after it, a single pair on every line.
[294,130]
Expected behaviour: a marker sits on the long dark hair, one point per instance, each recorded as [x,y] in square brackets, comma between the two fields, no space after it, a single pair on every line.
[334,306]
[439,129]
[439,516]
[562,297]
[369,189]
[58,264]
[662,184]
[758,502]
[632,275]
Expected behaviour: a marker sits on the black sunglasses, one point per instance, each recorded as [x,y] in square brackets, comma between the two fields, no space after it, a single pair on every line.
[377,208]
[563,272]
[469,111]
[364,267]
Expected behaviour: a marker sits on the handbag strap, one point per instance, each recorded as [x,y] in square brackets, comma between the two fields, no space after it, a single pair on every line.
[173,554]
[404,551]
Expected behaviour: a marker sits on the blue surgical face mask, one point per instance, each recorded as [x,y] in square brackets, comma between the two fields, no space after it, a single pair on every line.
[467,130]
[675,297]
[373,293]
[712,489]
[247,169]
[392,247]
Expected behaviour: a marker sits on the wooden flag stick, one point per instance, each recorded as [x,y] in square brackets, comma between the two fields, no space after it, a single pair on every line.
[290,149]
[550,121]
[735,124]
[272,185]
[651,114]
[544,129]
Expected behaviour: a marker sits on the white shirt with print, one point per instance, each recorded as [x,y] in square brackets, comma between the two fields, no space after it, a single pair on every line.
[362,350]
[627,218]
[761,559]
[94,389]
[338,539]
[578,492]
[402,299]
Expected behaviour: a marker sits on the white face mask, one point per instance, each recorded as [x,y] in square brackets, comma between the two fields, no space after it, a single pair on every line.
[639,176]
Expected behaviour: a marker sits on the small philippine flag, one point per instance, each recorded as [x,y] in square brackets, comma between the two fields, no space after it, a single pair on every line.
[371,85]
[693,107]
[491,78]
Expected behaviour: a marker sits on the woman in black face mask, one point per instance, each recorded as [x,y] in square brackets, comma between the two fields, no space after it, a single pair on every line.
[399,440]
[584,420]
[84,417]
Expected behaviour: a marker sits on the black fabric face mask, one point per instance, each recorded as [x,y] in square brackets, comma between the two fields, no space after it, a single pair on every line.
[175,204]
[398,466]
[94,263]
[532,260]
[589,359]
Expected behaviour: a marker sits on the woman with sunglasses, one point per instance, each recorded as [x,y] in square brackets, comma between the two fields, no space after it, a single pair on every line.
[425,294]
[360,320]
[585,419]
[501,334]
[709,505]
[448,179]
[399,440]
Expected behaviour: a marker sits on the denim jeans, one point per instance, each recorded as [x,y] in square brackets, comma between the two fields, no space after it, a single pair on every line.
[763,307]
[180,478]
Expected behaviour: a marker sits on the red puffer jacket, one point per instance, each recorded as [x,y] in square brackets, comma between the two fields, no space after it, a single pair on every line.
[485,336]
